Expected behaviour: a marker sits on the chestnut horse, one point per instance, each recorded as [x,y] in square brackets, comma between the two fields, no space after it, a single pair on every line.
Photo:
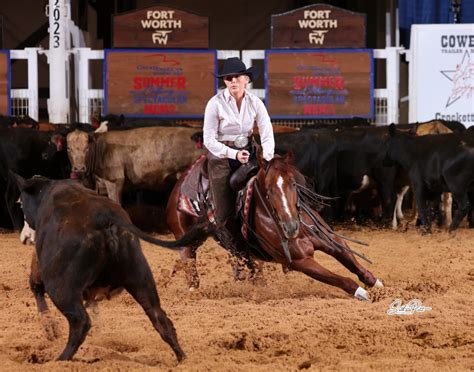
[285,228]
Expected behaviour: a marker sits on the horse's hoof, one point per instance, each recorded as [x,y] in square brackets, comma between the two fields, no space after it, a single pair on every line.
[361,294]
[378,284]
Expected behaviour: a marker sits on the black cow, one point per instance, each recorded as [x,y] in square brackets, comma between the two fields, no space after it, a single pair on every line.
[85,247]
[24,151]
[342,161]
[435,164]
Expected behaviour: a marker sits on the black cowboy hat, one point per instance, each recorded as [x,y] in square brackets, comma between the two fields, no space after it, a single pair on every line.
[234,66]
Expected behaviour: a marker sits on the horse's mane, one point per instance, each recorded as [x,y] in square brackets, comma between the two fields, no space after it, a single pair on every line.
[282,164]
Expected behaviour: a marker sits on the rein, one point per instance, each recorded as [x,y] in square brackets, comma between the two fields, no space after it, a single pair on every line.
[306,197]
[322,232]
[275,218]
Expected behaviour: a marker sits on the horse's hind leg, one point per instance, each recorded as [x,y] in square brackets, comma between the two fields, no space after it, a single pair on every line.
[349,261]
[187,262]
[311,268]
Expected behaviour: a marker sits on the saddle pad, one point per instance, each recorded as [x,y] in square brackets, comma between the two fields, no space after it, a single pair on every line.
[192,177]
[188,206]
[244,201]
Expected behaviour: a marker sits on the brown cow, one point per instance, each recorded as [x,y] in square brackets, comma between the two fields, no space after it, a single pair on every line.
[149,158]
[87,247]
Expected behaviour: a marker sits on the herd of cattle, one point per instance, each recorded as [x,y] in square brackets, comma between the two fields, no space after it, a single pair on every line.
[84,246]
[366,169]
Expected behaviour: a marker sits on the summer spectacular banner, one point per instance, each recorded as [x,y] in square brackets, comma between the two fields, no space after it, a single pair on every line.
[159,83]
[316,83]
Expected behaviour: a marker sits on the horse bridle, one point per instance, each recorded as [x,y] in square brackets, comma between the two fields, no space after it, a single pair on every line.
[270,209]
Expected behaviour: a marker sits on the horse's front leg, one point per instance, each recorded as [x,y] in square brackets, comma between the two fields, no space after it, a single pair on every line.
[302,253]
[348,260]
[343,256]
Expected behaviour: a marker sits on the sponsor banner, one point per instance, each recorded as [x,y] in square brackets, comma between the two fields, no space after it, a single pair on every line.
[160,27]
[4,82]
[442,73]
[159,83]
[318,84]
[318,26]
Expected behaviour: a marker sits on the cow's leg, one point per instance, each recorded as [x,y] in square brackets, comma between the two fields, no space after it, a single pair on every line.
[36,284]
[422,206]
[37,287]
[462,201]
[311,268]
[470,215]
[141,286]
[397,211]
[69,302]
[447,200]
[114,190]
[11,196]
[348,260]
[388,203]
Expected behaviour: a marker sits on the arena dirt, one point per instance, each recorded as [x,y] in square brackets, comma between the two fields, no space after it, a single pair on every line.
[287,322]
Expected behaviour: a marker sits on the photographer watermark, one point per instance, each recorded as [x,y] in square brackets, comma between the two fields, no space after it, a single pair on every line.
[412,307]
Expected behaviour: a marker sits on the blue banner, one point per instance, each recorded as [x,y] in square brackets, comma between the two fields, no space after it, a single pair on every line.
[430,12]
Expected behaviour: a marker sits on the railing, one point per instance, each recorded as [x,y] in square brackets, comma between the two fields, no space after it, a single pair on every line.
[90,101]
[25,101]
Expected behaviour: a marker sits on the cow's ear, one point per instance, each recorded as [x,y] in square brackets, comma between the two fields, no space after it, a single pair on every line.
[290,157]
[392,130]
[19,180]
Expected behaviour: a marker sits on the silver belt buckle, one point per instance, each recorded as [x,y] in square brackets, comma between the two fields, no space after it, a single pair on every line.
[241,141]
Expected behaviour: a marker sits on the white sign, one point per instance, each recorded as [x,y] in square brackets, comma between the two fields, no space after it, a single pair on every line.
[442,73]
[159,20]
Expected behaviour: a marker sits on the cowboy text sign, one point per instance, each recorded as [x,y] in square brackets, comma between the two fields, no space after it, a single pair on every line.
[4,83]
[164,83]
[160,27]
[317,84]
[318,26]
[442,73]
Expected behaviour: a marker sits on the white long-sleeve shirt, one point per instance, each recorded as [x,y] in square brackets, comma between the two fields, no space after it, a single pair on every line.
[224,122]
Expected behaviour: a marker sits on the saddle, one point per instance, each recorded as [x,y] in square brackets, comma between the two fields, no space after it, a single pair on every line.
[194,191]
[194,197]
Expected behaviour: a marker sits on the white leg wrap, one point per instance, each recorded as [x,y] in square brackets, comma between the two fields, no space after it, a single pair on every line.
[378,284]
[361,294]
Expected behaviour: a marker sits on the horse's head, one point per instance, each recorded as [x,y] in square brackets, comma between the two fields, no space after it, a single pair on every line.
[277,181]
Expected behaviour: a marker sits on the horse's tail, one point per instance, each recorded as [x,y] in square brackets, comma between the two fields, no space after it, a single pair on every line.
[197,232]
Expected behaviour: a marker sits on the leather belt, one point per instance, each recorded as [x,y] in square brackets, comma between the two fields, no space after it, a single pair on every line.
[238,143]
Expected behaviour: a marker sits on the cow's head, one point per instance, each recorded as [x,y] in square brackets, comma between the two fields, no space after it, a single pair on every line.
[55,145]
[198,137]
[78,152]
[393,144]
[31,195]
